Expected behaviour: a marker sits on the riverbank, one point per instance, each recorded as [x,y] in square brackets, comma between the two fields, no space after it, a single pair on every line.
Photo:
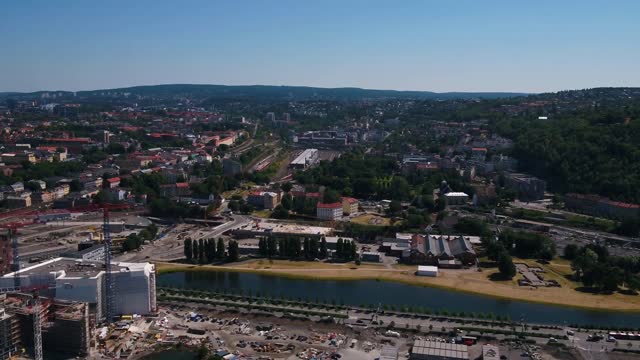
[468,281]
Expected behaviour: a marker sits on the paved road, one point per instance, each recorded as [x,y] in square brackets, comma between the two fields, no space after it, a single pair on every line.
[170,247]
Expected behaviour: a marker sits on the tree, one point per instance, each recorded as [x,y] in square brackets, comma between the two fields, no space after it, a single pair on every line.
[306,248]
[272,246]
[188,250]
[399,188]
[220,249]
[234,253]
[211,250]
[132,242]
[584,262]
[287,201]
[395,207]
[202,251]
[196,250]
[262,247]
[323,248]
[280,212]
[506,267]
[571,251]
[286,187]
[313,248]
[339,248]
[330,196]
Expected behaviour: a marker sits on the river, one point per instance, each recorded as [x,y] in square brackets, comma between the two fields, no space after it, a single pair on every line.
[360,292]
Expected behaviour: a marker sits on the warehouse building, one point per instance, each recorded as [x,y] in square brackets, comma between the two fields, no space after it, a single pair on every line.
[434,350]
[307,158]
[84,281]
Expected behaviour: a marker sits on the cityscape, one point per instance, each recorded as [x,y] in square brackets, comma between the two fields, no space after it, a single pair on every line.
[193,220]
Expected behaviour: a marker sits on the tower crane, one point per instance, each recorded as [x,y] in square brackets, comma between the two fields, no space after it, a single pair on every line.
[109,285]
[12,229]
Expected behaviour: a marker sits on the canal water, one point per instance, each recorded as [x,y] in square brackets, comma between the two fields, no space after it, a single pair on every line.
[362,292]
[172,355]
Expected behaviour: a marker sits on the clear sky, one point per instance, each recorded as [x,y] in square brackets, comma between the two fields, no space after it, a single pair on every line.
[445,45]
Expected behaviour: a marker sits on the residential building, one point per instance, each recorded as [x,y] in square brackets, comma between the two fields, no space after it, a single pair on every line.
[18,201]
[484,195]
[264,199]
[332,211]
[113,182]
[18,157]
[349,205]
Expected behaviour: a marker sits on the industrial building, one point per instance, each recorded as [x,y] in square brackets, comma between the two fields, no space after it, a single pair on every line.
[435,350]
[307,158]
[528,188]
[84,281]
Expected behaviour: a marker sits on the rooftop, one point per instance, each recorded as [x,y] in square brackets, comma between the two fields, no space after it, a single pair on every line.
[329,206]
[75,268]
[440,349]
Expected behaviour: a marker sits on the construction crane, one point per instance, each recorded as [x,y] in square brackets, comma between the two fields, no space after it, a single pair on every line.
[12,229]
[106,232]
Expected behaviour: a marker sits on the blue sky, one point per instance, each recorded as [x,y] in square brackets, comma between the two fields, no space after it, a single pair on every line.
[446,45]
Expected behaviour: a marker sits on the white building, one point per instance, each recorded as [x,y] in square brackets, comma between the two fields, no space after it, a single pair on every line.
[456,198]
[329,211]
[427,271]
[84,281]
[305,159]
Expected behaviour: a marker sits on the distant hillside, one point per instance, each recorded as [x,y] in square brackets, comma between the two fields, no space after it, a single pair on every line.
[270,92]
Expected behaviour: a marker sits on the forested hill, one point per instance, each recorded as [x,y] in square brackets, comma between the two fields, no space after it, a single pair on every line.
[594,150]
[270,92]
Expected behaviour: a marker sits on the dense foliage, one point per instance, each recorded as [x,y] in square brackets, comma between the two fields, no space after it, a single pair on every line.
[595,151]
[596,269]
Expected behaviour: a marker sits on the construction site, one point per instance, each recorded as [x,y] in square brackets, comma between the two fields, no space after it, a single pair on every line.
[58,282]
[64,325]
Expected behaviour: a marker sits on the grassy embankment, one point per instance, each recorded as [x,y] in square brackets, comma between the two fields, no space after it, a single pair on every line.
[458,280]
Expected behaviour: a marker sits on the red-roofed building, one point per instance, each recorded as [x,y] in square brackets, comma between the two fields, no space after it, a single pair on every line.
[113,182]
[332,211]
[349,205]
[600,206]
